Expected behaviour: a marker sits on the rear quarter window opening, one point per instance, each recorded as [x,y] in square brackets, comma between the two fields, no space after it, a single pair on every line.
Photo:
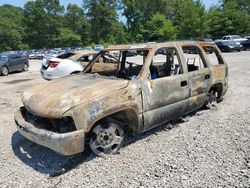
[214,55]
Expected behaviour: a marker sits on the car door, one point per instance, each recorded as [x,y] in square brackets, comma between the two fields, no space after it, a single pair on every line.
[15,63]
[166,93]
[11,63]
[19,62]
[199,75]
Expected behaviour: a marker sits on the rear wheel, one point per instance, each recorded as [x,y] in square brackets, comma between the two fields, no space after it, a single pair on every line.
[25,67]
[107,138]
[4,71]
[212,99]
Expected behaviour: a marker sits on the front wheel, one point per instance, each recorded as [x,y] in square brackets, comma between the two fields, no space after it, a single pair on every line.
[107,138]
[212,99]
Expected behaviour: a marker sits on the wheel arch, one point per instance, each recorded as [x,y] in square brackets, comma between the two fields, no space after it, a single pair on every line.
[5,65]
[127,117]
[75,72]
[218,87]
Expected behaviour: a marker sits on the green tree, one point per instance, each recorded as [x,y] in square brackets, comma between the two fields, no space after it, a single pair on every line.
[42,20]
[237,14]
[67,37]
[242,5]
[11,28]
[159,29]
[217,24]
[229,18]
[137,13]
[189,19]
[76,20]
[103,17]
[186,15]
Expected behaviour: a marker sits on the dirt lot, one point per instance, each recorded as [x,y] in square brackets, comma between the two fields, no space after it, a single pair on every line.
[206,149]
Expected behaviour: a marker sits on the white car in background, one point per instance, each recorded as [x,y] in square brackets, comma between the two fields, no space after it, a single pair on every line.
[236,38]
[65,64]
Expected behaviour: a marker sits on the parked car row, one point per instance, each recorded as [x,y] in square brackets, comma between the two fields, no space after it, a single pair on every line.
[42,53]
[246,44]
[230,43]
[56,63]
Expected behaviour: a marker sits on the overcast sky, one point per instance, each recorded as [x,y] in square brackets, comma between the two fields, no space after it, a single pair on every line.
[20,3]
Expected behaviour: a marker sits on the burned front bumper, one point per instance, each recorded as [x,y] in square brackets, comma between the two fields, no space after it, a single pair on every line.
[64,143]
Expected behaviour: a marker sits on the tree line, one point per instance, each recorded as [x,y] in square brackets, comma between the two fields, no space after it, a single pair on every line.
[48,24]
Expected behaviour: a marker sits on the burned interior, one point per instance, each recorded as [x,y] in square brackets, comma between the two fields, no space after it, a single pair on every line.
[166,62]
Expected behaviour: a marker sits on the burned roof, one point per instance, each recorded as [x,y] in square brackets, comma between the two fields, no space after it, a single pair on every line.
[150,45]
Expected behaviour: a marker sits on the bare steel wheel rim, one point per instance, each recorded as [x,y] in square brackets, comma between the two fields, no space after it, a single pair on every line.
[212,99]
[106,139]
[5,71]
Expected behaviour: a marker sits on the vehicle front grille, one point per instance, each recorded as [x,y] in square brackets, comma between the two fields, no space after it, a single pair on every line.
[64,125]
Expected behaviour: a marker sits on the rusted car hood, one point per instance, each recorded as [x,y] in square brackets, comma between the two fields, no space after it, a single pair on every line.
[53,99]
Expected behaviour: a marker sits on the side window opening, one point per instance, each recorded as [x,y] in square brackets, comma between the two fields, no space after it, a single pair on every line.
[131,63]
[65,56]
[213,55]
[194,57]
[86,58]
[166,62]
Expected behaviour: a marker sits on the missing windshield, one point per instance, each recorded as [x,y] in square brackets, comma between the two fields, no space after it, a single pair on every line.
[124,64]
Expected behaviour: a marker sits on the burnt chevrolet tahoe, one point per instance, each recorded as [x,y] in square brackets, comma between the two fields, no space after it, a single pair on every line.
[134,89]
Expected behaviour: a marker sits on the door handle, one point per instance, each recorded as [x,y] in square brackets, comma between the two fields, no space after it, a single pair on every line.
[183,83]
[207,77]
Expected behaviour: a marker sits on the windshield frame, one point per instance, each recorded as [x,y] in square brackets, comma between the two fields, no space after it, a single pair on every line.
[121,50]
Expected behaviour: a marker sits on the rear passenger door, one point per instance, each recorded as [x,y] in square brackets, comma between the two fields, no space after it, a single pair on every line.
[166,93]
[11,63]
[200,76]
[19,62]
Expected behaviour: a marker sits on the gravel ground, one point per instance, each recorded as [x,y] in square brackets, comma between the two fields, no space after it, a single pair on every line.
[208,148]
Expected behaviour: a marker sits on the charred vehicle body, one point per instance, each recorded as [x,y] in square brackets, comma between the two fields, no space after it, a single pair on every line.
[125,95]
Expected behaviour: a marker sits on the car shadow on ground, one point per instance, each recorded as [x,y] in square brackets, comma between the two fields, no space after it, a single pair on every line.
[49,162]
[45,160]
[15,72]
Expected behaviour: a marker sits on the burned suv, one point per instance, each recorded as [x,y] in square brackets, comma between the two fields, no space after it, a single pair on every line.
[137,88]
